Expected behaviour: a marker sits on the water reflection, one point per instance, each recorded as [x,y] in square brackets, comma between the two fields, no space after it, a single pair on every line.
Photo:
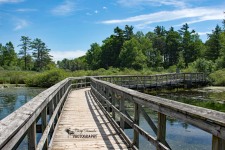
[179,135]
[12,98]
[197,97]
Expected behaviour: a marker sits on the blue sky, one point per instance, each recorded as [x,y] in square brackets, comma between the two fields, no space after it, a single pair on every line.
[68,27]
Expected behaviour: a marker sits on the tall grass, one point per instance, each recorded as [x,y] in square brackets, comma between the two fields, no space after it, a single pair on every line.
[218,77]
[51,77]
[14,77]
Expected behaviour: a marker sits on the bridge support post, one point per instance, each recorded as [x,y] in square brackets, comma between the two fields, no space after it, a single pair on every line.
[113,103]
[122,111]
[136,121]
[43,125]
[51,110]
[218,143]
[161,134]
[32,137]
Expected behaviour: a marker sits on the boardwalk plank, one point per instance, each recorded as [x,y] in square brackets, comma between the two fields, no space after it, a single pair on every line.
[88,126]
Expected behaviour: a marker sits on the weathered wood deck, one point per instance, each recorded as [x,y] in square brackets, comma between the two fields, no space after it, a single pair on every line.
[82,125]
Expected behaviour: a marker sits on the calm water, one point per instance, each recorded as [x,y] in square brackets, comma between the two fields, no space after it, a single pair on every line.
[12,98]
[179,135]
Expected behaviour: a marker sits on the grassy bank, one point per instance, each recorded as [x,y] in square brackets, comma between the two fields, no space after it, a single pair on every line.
[49,78]
[15,77]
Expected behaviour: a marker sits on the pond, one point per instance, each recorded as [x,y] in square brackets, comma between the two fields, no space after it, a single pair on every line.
[13,98]
[208,97]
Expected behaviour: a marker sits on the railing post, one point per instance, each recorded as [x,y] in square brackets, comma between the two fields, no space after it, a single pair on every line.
[161,134]
[44,124]
[218,143]
[32,137]
[122,111]
[51,110]
[113,103]
[107,96]
[156,80]
[136,121]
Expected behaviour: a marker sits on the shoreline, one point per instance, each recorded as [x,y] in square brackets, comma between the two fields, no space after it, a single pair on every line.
[11,85]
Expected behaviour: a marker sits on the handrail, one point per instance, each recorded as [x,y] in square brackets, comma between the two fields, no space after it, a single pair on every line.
[143,81]
[14,127]
[208,120]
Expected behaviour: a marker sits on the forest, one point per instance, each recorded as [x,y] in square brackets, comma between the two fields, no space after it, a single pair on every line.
[158,51]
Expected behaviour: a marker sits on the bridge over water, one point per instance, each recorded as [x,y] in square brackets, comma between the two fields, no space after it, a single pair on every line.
[90,113]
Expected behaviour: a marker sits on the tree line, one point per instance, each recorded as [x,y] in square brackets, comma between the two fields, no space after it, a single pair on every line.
[33,55]
[157,50]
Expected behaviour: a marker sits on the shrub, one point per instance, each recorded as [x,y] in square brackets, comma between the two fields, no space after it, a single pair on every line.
[46,79]
[218,77]
[201,65]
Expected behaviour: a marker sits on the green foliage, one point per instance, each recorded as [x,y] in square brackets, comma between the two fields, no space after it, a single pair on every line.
[14,77]
[173,45]
[93,56]
[41,54]
[74,64]
[203,65]
[213,44]
[172,69]
[131,55]
[46,79]
[218,77]
[25,47]
[181,63]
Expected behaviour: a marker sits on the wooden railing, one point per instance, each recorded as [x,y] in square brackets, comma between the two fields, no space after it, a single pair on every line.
[44,108]
[153,81]
[112,97]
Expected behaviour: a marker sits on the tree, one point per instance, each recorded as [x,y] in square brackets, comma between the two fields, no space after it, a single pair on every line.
[172,47]
[25,46]
[153,56]
[10,57]
[79,64]
[64,64]
[188,44]
[131,55]
[181,63]
[41,54]
[93,56]
[139,35]
[128,32]
[112,46]
[159,40]
[213,44]
[2,51]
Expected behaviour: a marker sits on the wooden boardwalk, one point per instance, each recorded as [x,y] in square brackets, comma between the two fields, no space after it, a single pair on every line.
[82,125]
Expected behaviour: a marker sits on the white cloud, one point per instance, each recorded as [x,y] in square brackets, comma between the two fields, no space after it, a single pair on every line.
[135,3]
[26,10]
[197,14]
[10,1]
[65,8]
[20,24]
[96,11]
[204,33]
[60,55]
[104,7]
